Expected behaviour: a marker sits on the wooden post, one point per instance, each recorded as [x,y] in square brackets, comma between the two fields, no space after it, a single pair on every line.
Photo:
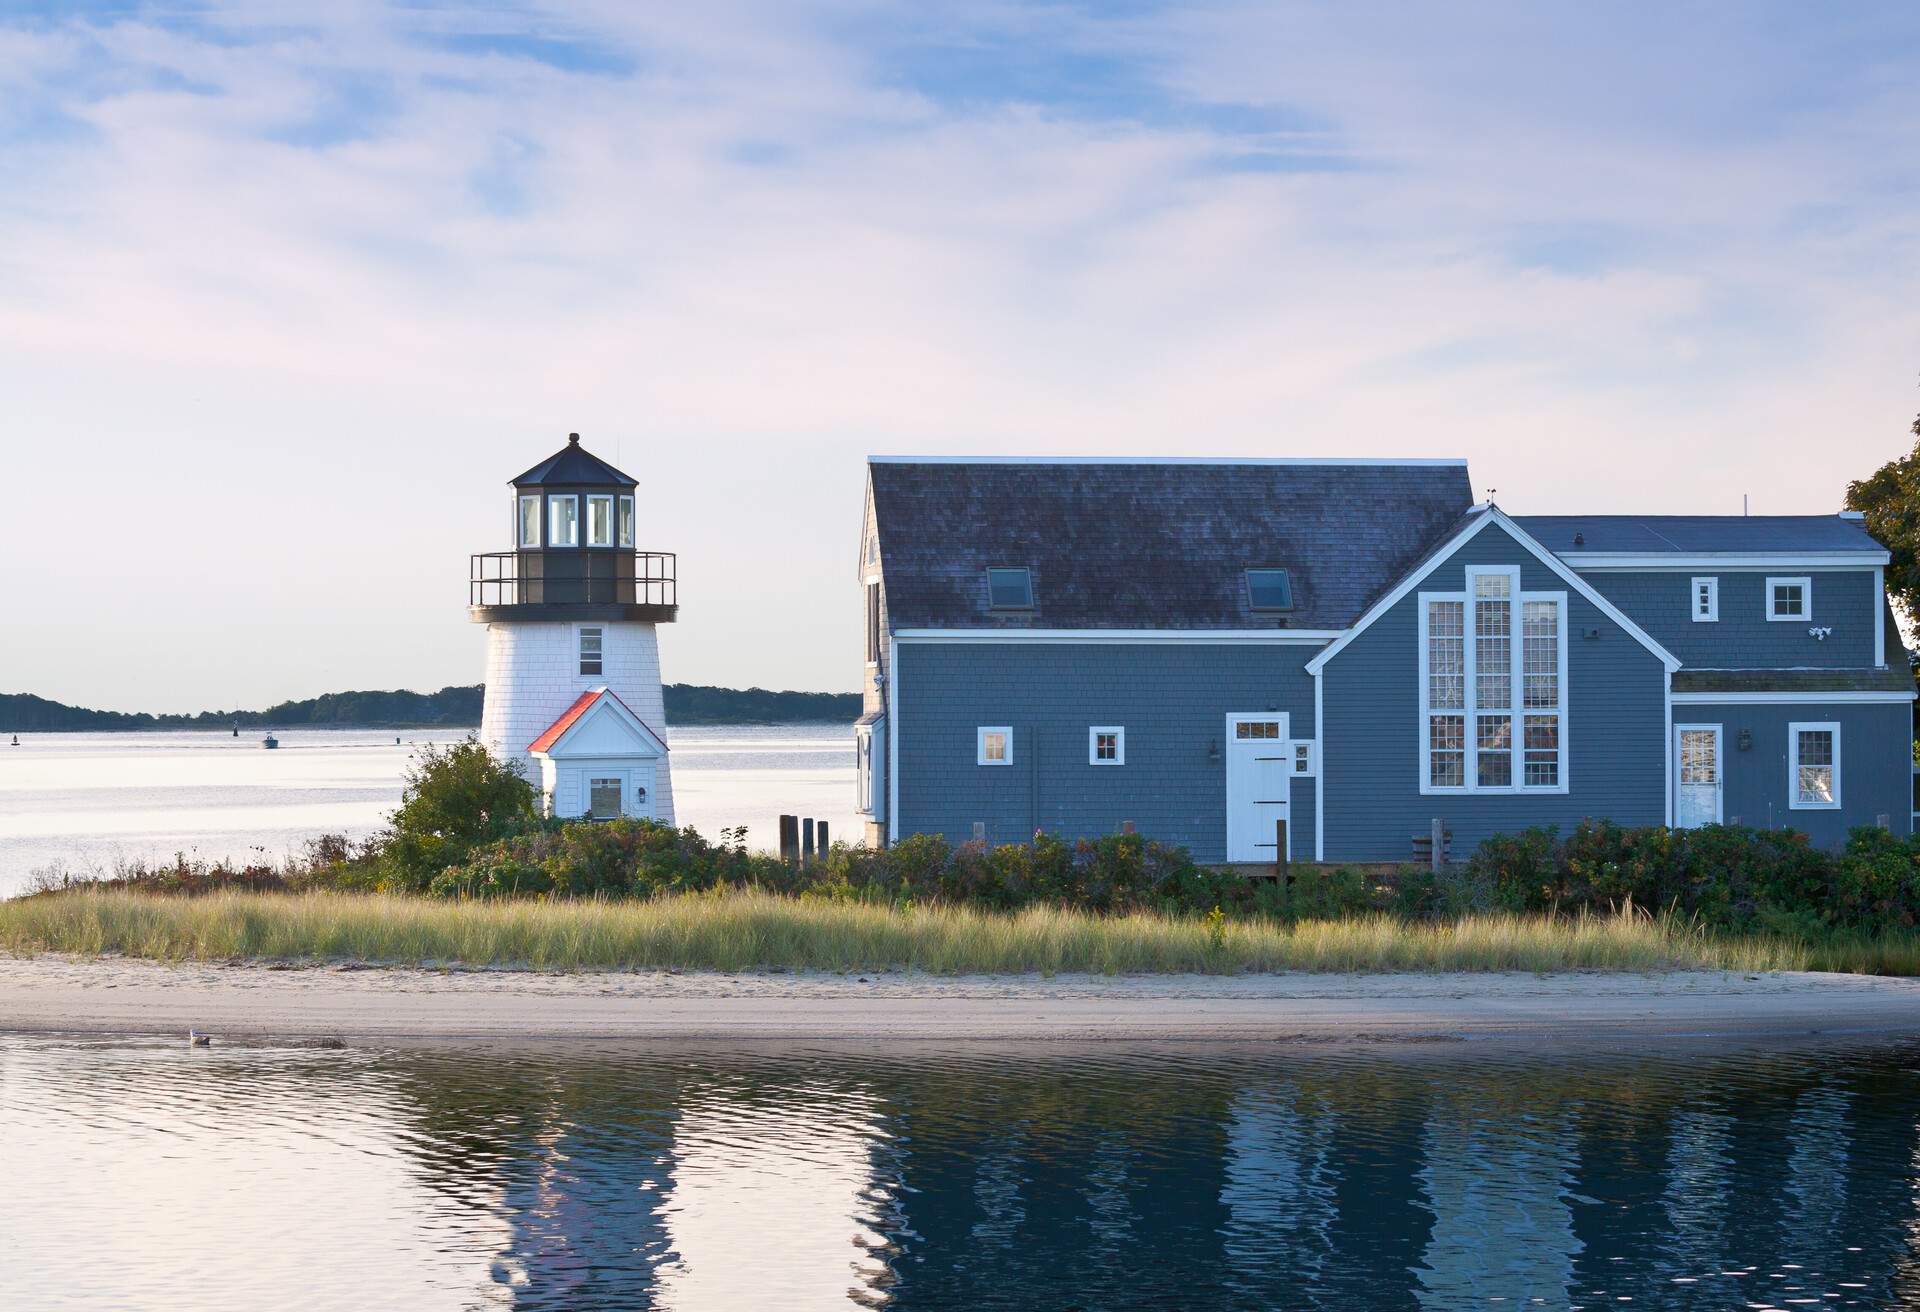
[1439,844]
[820,839]
[806,839]
[1280,860]
[789,838]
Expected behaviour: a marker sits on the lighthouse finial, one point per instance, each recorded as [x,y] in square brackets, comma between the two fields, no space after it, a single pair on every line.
[573,439]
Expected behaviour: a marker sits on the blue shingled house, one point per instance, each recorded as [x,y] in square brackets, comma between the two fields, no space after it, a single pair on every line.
[1204,648]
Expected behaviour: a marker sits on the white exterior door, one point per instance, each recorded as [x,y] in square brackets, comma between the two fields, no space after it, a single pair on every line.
[1697,776]
[1259,773]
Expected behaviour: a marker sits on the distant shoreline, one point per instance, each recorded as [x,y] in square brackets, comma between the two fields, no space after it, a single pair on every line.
[270,1001]
[452,708]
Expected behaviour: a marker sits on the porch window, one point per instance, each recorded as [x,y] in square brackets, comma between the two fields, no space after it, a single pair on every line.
[1492,695]
[1106,745]
[603,798]
[1813,782]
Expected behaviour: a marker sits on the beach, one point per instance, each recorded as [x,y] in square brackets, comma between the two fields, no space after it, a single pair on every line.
[270,1001]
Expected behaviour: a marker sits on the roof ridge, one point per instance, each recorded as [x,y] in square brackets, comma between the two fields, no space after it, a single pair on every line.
[1447,462]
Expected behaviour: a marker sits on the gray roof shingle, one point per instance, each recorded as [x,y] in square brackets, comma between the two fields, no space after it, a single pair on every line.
[1152,545]
[1698,533]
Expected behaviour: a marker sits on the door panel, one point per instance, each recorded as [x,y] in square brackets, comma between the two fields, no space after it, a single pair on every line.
[1697,775]
[1259,775]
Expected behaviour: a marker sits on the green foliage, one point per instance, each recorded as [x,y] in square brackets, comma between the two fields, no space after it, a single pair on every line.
[1889,501]
[455,799]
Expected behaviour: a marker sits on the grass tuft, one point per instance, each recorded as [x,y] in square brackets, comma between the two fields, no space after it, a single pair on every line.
[747,929]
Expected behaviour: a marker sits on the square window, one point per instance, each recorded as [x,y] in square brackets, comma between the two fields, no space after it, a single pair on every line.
[994,745]
[590,651]
[603,798]
[1009,589]
[1269,589]
[1106,745]
[1789,598]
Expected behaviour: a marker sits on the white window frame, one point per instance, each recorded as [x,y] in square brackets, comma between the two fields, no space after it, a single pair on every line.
[1517,708]
[520,523]
[1794,731]
[586,526]
[580,650]
[1806,598]
[980,744]
[1712,613]
[553,522]
[1119,733]
[623,525]
[1306,751]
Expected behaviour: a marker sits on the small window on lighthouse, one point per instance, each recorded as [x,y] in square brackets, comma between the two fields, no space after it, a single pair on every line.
[563,521]
[626,521]
[599,521]
[529,521]
[589,651]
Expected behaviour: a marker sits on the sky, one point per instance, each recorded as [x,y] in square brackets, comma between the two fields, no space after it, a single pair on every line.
[289,291]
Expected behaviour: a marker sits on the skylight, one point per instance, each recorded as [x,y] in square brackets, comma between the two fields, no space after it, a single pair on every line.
[1269,589]
[1009,589]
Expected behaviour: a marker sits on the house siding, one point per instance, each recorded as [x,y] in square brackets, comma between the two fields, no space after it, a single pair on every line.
[1173,700]
[1661,602]
[1876,776]
[1371,761]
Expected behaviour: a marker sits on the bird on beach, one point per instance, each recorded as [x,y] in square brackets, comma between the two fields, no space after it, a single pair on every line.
[195,1039]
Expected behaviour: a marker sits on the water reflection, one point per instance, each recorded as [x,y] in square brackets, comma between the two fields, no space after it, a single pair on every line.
[441,1176]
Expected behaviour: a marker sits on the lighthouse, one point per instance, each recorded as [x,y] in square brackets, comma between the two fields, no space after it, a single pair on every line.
[573,656]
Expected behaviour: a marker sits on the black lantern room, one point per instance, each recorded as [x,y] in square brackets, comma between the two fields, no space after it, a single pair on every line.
[574,556]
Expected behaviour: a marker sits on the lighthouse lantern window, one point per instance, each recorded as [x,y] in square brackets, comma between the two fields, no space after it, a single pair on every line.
[563,521]
[626,521]
[530,521]
[600,521]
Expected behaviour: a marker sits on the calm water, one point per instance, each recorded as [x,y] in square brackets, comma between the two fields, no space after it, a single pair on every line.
[148,1175]
[91,799]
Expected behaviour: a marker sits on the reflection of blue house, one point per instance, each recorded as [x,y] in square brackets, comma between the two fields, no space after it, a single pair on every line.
[1206,648]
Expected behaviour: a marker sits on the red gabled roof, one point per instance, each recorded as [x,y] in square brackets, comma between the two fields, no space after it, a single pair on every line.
[580,707]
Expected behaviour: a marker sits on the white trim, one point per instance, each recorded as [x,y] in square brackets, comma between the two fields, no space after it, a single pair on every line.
[612,704]
[980,733]
[1794,729]
[893,742]
[1586,561]
[1305,462]
[1880,617]
[520,524]
[1806,598]
[1268,637]
[1119,733]
[1849,697]
[1713,598]
[1319,778]
[1719,768]
[586,521]
[1666,702]
[1490,515]
[1313,759]
[553,501]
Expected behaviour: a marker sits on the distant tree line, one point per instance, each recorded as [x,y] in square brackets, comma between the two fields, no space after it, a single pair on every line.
[450,708]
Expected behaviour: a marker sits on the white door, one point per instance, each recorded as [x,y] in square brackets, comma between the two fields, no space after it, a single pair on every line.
[1696,774]
[1259,770]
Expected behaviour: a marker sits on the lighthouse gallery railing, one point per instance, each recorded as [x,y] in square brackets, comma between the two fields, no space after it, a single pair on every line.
[580,577]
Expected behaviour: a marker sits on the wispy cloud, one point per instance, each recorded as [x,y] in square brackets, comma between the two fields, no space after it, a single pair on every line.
[341,269]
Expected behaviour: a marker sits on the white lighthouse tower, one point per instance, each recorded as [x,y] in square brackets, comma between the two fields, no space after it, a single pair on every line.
[573,659]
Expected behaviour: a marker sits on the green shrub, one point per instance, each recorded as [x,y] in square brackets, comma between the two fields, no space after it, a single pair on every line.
[455,799]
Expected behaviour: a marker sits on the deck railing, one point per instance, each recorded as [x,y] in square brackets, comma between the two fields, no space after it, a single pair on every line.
[582,577]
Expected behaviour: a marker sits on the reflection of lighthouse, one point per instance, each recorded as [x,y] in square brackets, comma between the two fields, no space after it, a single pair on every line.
[573,660]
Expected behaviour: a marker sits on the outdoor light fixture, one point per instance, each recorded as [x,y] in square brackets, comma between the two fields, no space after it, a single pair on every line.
[1213,749]
[1746,740]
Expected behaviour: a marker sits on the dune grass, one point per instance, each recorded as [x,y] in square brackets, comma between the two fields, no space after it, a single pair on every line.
[745,930]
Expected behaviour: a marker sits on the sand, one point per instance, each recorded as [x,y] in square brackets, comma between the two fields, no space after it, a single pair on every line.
[261,1001]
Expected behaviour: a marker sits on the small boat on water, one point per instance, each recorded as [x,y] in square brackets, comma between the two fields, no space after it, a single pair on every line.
[16,740]
[269,742]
